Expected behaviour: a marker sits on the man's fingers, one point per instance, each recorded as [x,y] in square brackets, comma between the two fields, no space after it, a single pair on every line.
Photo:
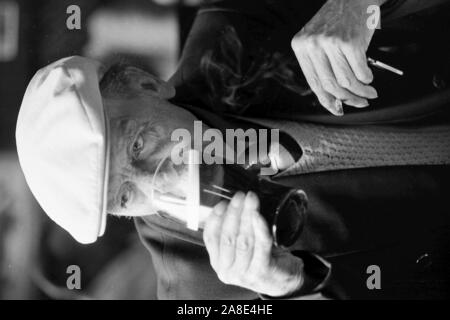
[328,80]
[211,232]
[358,62]
[245,239]
[346,78]
[263,244]
[325,99]
[230,230]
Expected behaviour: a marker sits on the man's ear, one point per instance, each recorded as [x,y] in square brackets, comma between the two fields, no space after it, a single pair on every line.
[145,82]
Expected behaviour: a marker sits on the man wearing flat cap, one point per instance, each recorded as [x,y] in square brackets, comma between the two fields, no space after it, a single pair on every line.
[89,141]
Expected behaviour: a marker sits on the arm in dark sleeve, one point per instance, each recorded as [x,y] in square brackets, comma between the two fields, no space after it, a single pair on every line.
[325,280]
[317,274]
[394,218]
[394,9]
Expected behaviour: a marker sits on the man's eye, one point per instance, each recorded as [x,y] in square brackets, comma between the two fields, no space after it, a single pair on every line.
[138,145]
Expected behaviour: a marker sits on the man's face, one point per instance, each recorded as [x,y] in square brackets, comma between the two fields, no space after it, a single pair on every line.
[140,133]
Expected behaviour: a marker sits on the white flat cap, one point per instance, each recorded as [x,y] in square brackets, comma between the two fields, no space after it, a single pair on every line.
[63,145]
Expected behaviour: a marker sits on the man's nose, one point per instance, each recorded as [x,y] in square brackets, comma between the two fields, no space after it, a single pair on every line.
[144,182]
[145,167]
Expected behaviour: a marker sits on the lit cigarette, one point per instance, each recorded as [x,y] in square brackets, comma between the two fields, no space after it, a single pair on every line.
[384,66]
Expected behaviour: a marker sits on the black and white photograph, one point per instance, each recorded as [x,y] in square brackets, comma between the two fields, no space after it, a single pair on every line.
[234,152]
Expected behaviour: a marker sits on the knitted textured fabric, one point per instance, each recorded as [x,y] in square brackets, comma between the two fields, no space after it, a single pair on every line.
[328,148]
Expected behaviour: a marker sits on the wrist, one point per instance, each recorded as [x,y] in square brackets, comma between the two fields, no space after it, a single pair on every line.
[292,284]
[315,272]
[286,293]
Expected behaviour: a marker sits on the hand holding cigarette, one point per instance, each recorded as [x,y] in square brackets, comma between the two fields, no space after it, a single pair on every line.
[331,50]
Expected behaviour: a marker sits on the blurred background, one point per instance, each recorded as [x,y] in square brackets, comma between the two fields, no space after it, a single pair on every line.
[34,252]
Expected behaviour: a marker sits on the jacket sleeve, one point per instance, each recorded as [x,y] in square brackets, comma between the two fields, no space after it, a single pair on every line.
[395,9]
[317,275]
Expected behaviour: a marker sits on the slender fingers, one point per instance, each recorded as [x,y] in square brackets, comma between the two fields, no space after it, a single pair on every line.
[263,245]
[325,99]
[230,230]
[212,230]
[246,238]
[345,76]
[329,83]
[358,62]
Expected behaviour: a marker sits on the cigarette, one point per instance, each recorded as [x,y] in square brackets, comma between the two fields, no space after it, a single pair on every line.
[384,66]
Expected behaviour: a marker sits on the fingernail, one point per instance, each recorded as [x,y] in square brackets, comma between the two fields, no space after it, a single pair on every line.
[373,94]
[338,107]
[251,200]
[219,209]
[251,195]
[363,104]
[237,199]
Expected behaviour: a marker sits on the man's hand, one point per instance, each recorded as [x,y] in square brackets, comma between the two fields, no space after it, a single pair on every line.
[331,49]
[241,251]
